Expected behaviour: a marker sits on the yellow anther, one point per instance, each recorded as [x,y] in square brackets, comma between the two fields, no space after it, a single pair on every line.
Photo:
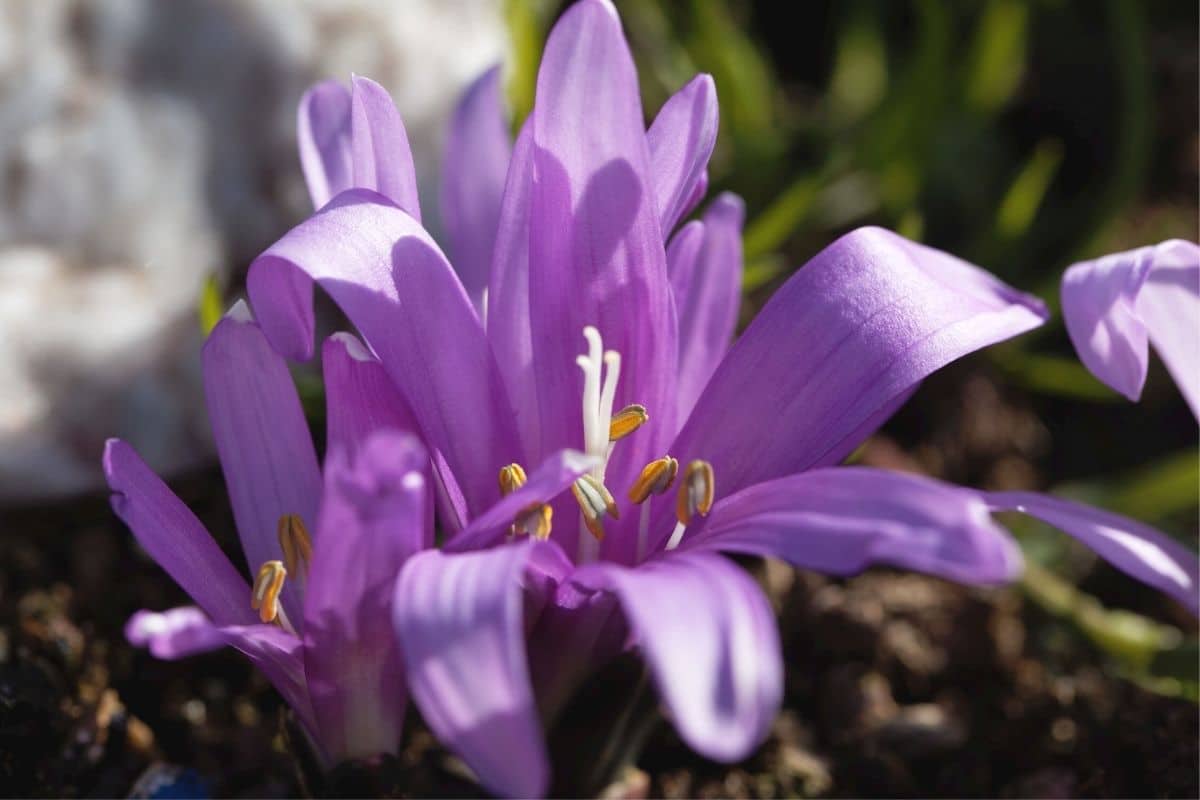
[534,521]
[512,478]
[626,421]
[695,491]
[595,501]
[656,478]
[267,585]
[296,545]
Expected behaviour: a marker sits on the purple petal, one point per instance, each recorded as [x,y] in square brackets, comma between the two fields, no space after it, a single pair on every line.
[381,156]
[508,313]
[277,654]
[1113,304]
[854,330]
[372,521]
[841,520]
[174,538]
[476,163]
[709,636]
[175,633]
[323,136]
[596,249]
[552,478]
[1136,549]
[360,400]
[709,300]
[461,624]
[428,337]
[681,140]
[262,439]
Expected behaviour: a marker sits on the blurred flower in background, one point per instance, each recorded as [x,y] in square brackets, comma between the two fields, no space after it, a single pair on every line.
[148,147]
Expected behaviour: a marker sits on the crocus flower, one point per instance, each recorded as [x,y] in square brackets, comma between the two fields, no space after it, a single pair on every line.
[315,618]
[1116,305]
[594,332]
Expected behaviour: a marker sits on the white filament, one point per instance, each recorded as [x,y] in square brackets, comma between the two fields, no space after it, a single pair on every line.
[599,394]
[676,536]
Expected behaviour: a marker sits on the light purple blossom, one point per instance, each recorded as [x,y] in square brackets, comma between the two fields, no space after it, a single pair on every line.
[1115,306]
[591,306]
[573,305]
[323,635]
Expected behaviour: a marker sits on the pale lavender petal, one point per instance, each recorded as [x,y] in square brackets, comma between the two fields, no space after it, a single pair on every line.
[709,636]
[1112,305]
[854,330]
[175,633]
[708,305]
[461,622]
[323,137]
[372,521]
[508,312]
[554,476]
[596,252]
[382,159]
[841,520]
[473,176]
[393,282]
[681,140]
[262,439]
[1136,549]
[174,538]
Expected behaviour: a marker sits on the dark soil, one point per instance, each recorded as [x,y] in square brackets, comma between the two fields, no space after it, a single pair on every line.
[897,685]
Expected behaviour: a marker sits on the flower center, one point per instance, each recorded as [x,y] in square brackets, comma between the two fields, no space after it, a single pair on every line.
[602,429]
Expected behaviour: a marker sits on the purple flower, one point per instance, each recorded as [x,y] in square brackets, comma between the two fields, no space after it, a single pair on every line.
[589,330]
[315,619]
[1114,304]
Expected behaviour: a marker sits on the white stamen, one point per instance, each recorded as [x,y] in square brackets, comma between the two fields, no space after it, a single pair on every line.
[676,536]
[612,373]
[599,395]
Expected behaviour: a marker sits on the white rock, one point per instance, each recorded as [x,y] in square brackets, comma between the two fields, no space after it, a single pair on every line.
[145,145]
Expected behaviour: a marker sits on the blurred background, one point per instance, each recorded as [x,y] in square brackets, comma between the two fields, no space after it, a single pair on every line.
[147,154]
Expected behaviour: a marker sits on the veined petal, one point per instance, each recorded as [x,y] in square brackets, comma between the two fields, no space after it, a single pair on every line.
[1113,304]
[175,633]
[362,250]
[708,302]
[681,141]
[1136,549]
[709,636]
[360,398]
[262,439]
[460,618]
[323,137]
[381,157]
[473,177]
[841,520]
[861,324]
[552,478]
[596,252]
[372,521]
[174,538]
[508,313]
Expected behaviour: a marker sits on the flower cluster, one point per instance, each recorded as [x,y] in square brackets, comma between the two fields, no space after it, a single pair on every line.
[565,401]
